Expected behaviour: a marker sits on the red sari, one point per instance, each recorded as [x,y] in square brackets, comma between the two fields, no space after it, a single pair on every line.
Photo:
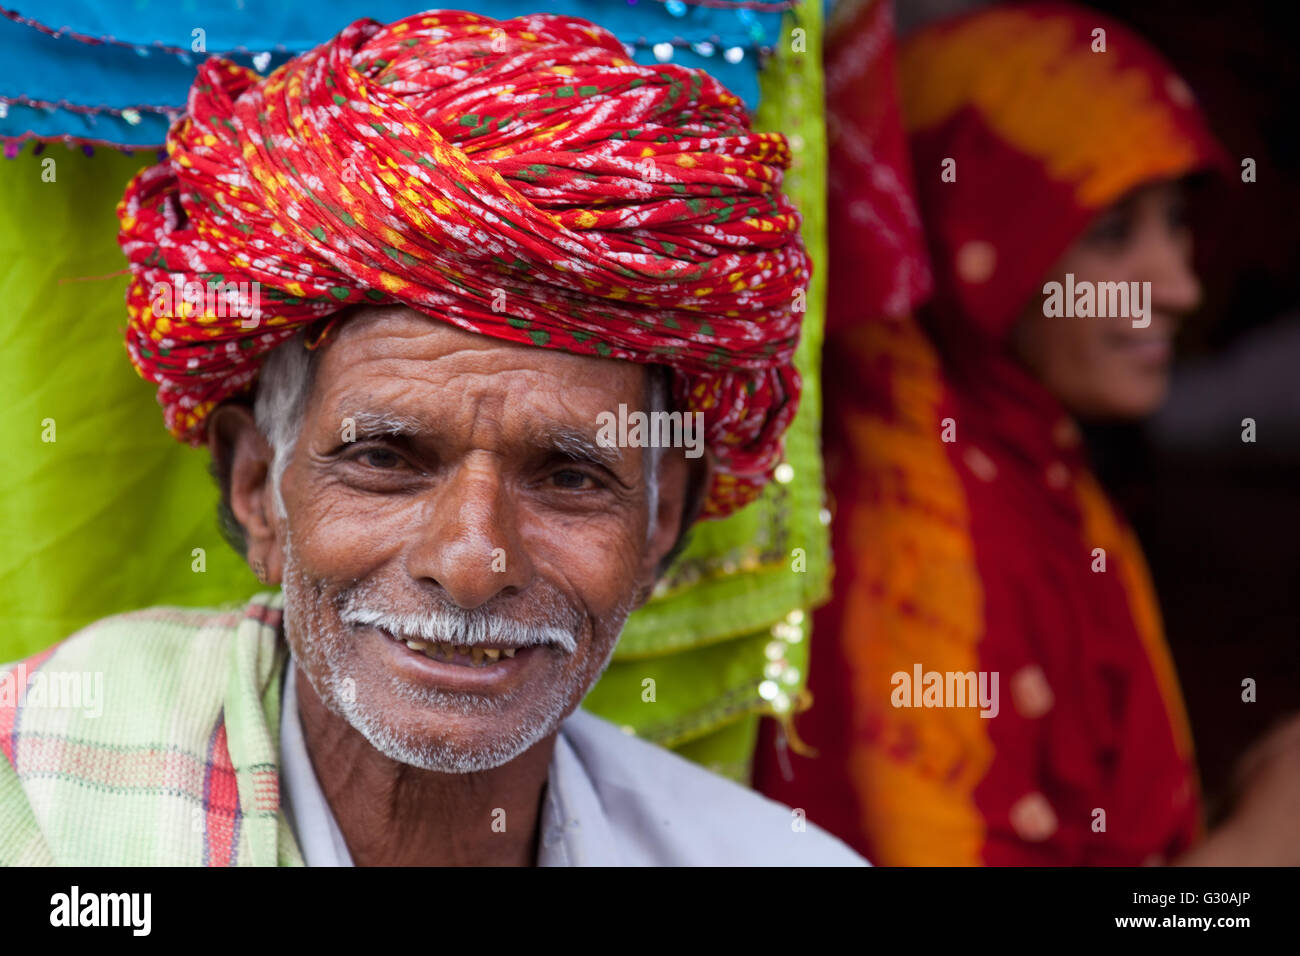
[970,537]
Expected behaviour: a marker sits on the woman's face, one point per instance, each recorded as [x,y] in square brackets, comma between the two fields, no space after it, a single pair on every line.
[1107,368]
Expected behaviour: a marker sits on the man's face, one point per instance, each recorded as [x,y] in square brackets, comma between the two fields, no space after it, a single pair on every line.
[474,505]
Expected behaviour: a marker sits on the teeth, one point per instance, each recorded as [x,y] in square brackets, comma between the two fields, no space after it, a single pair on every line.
[478,656]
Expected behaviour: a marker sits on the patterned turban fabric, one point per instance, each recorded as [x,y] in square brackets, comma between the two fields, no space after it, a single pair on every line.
[523,179]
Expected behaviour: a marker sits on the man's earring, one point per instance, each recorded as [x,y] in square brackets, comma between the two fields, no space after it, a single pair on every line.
[260,570]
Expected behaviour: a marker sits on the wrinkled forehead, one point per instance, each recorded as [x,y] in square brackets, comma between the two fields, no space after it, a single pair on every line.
[398,364]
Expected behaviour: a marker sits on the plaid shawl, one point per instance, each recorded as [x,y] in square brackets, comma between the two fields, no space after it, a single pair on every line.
[175,763]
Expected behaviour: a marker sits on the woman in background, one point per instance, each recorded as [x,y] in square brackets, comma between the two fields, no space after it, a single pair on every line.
[970,535]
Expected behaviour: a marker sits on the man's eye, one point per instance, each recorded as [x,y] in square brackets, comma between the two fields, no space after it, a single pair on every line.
[572,480]
[379,458]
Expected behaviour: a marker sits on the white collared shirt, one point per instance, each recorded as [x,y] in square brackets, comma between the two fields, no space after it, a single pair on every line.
[611,800]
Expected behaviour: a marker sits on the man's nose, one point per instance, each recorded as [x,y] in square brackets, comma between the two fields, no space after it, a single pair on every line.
[468,540]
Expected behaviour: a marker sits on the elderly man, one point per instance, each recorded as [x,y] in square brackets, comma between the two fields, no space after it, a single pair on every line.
[431,258]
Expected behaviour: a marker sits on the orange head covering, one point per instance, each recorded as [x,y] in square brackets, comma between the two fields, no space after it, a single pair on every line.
[1046,113]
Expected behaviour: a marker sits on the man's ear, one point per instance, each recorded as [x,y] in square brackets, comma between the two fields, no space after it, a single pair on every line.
[243,458]
[683,484]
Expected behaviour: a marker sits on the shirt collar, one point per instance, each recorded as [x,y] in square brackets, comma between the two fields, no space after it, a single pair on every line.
[574,828]
[313,824]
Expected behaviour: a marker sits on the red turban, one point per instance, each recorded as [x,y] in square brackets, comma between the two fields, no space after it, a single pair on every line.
[523,179]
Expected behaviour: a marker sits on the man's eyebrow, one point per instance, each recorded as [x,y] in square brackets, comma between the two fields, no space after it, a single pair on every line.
[570,442]
[576,444]
[371,424]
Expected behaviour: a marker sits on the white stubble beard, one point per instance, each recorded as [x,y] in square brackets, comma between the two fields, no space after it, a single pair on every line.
[326,645]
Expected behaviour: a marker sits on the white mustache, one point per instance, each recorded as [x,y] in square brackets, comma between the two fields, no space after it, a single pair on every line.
[460,626]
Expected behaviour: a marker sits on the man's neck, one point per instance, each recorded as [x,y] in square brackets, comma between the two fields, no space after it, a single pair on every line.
[392,814]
